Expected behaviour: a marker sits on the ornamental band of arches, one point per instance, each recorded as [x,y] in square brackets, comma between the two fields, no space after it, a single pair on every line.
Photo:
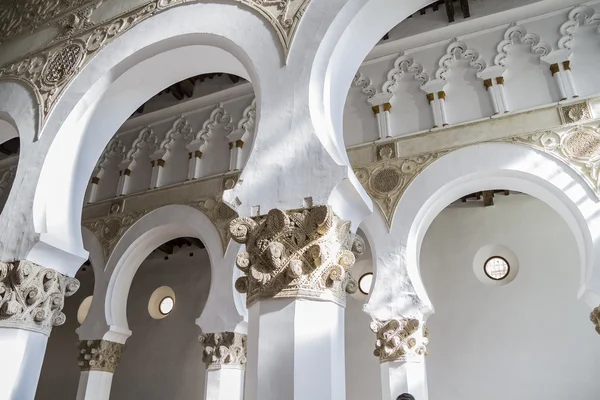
[295,178]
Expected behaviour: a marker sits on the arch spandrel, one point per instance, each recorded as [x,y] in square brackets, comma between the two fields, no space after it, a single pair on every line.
[483,166]
[51,69]
[121,214]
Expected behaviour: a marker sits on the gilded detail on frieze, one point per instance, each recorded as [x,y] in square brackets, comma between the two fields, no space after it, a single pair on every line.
[49,70]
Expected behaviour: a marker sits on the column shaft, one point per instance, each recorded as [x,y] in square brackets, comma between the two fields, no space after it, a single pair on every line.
[224,384]
[301,348]
[404,377]
[22,358]
[94,385]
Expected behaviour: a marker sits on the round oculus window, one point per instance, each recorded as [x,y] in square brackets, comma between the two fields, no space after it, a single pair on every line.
[496,268]
[166,305]
[364,283]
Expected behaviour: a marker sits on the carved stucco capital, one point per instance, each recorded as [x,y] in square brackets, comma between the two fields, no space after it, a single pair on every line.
[595,318]
[226,349]
[32,297]
[99,355]
[305,253]
[402,339]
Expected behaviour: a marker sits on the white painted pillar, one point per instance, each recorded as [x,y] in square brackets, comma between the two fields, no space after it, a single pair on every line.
[194,170]
[400,377]
[93,191]
[377,111]
[555,69]
[94,385]
[502,93]
[22,353]
[569,78]
[157,166]
[401,347]
[98,360]
[295,299]
[489,86]
[26,323]
[232,155]
[239,159]
[295,350]
[124,176]
[434,110]
[225,358]
[224,384]
[442,105]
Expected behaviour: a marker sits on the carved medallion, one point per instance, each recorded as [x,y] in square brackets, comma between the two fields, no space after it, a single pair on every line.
[62,65]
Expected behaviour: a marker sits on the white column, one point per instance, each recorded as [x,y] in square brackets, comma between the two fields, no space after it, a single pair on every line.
[502,94]
[26,323]
[386,124]
[98,360]
[434,111]
[489,86]
[569,78]
[239,159]
[401,347]
[157,166]
[442,105]
[124,176]
[295,301]
[224,384]
[93,191]
[225,358]
[195,171]
[22,357]
[94,385]
[377,111]
[301,348]
[555,69]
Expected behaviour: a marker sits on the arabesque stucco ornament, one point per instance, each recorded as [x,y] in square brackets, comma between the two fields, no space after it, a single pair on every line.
[595,318]
[49,70]
[225,349]
[403,339]
[32,297]
[305,253]
[99,355]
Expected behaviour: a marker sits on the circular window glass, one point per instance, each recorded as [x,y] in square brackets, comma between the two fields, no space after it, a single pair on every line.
[364,283]
[166,305]
[496,268]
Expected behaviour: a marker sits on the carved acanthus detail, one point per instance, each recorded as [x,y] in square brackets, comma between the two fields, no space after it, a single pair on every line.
[226,349]
[403,339]
[99,355]
[32,297]
[595,318]
[300,253]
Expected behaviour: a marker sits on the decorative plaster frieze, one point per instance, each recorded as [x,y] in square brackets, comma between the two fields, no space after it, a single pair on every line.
[455,51]
[226,349]
[402,66]
[517,34]
[365,84]
[403,339]
[111,228]
[581,15]
[49,70]
[27,16]
[595,318]
[32,297]
[99,355]
[578,146]
[305,253]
